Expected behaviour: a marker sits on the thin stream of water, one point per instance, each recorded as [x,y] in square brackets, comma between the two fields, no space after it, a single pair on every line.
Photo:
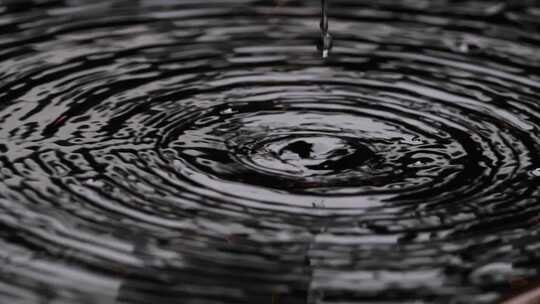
[187,151]
[325,44]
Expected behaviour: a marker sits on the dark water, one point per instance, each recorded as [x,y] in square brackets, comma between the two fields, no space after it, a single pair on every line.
[203,152]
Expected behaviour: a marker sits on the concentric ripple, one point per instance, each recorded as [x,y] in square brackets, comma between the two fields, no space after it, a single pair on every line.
[188,151]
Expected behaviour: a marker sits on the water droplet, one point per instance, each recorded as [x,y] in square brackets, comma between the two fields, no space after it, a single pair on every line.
[325,45]
[463,47]
[94,183]
[536,172]
[227,111]
[416,141]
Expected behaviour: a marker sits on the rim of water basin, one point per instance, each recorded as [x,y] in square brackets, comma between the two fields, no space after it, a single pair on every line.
[528,294]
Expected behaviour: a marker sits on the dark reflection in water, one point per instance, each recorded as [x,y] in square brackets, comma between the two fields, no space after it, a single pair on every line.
[187,151]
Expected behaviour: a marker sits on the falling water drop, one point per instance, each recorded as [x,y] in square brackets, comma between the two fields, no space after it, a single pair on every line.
[536,172]
[325,43]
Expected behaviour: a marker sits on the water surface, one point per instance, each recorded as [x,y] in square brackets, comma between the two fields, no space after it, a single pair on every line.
[203,152]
